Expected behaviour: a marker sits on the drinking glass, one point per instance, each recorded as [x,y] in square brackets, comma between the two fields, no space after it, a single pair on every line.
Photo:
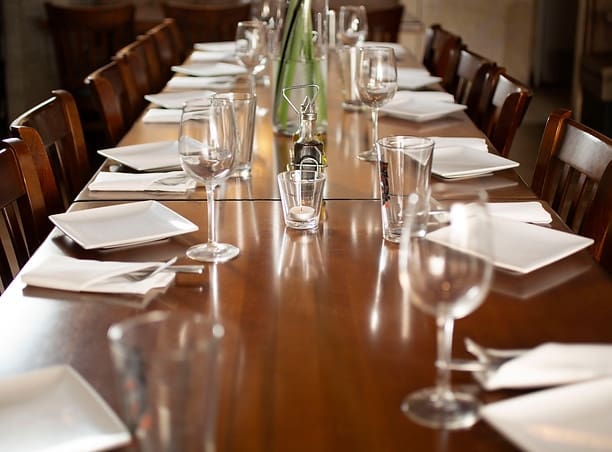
[208,143]
[352,25]
[251,46]
[377,83]
[445,267]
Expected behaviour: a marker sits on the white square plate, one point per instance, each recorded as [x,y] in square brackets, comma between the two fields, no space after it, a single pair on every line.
[566,419]
[524,247]
[420,111]
[156,156]
[415,78]
[176,99]
[55,409]
[460,161]
[122,224]
[209,70]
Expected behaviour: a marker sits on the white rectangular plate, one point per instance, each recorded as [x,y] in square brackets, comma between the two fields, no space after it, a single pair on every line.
[524,247]
[421,111]
[415,78]
[462,161]
[122,224]
[566,419]
[156,156]
[176,99]
[55,409]
[209,70]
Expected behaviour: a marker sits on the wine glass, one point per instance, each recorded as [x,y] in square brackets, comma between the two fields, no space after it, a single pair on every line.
[376,83]
[208,143]
[251,46]
[352,25]
[445,267]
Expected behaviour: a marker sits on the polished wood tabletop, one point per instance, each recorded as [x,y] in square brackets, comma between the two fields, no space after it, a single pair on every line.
[322,343]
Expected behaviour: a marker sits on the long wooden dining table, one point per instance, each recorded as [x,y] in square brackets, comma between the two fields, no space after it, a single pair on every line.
[323,344]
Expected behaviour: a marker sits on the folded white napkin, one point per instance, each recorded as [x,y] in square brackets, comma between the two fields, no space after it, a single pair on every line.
[173,181]
[415,78]
[81,275]
[528,212]
[200,56]
[551,364]
[176,99]
[162,115]
[421,96]
[182,83]
[460,142]
[209,69]
[221,46]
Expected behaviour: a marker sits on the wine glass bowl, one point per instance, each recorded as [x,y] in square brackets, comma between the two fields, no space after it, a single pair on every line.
[446,271]
[250,47]
[377,84]
[208,143]
[352,25]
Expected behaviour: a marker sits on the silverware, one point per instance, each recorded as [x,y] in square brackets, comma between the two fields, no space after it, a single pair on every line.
[140,275]
[487,359]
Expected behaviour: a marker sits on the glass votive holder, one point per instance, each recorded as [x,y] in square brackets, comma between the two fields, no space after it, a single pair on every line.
[301,193]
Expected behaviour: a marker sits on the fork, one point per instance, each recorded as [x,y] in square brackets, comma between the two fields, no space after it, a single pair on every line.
[141,275]
[488,359]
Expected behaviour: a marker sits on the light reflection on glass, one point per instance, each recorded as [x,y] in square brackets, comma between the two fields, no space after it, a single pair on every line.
[300,254]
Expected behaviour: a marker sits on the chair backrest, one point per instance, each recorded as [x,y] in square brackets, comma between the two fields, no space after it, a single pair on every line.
[468,86]
[24,216]
[86,37]
[441,54]
[505,111]
[571,162]
[143,60]
[597,223]
[117,97]
[206,23]
[52,131]
[169,52]
[384,24]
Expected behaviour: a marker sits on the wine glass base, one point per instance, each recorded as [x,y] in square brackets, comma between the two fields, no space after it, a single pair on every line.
[213,252]
[456,411]
[368,156]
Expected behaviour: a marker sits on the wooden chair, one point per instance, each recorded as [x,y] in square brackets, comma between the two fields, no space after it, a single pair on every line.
[384,24]
[143,60]
[505,110]
[206,23]
[24,215]
[85,38]
[169,51]
[569,175]
[117,97]
[469,81]
[441,54]
[53,133]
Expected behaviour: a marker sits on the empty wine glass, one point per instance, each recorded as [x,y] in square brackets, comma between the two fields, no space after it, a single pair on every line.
[352,25]
[377,83]
[208,143]
[251,46]
[446,271]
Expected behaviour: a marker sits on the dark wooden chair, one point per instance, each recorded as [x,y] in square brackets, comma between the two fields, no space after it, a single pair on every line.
[117,97]
[574,175]
[85,38]
[52,131]
[441,54]
[469,81]
[505,110]
[143,60]
[24,214]
[206,23]
[169,51]
[384,24]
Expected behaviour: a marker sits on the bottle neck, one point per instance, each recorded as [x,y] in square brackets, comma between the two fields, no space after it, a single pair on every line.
[307,130]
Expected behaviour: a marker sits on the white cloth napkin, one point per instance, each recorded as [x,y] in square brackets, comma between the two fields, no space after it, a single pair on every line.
[162,115]
[173,181]
[421,96]
[81,275]
[528,212]
[209,70]
[221,46]
[200,56]
[398,49]
[176,99]
[182,83]
[551,364]
[460,142]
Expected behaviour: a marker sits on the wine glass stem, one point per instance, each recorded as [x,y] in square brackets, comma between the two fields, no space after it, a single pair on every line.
[445,341]
[210,202]
[374,128]
[252,81]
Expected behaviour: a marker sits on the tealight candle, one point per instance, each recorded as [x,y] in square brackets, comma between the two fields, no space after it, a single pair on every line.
[301,213]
